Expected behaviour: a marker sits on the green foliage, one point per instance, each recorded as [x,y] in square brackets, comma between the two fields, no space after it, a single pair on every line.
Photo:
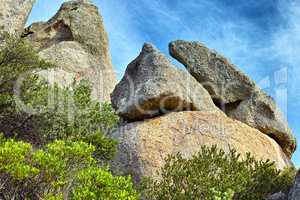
[96,183]
[17,59]
[73,115]
[105,147]
[62,170]
[285,180]
[216,195]
[14,159]
[213,174]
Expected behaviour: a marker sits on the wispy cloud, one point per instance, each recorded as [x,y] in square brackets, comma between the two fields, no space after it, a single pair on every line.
[286,48]
[261,38]
[286,41]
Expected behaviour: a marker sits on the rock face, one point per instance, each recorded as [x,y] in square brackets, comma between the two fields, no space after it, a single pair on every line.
[75,40]
[260,112]
[152,86]
[143,146]
[295,190]
[222,79]
[13,14]
[235,93]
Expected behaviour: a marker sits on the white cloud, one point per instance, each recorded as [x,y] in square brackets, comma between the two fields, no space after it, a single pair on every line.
[287,43]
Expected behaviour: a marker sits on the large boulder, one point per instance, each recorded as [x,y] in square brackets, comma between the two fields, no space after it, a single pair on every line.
[13,15]
[235,93]
[294,193]
[260,112]
[75,40]
[152,86]
[143,146]
[223,80]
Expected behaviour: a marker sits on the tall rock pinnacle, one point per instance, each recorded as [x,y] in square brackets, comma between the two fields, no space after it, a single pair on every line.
[75,40]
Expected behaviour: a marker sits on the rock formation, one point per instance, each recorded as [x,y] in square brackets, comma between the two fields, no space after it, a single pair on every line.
[75,40]
[13,14]
[152,86]
[235,93]
[223,80]
[169,110]
[143,146]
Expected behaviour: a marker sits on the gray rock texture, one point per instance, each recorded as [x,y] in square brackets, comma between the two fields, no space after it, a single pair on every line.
[152,86]
[222,79]
[261,112]
[13,14]
[144,146]
[75,40]
[295,190]
[278,196]
[235,93]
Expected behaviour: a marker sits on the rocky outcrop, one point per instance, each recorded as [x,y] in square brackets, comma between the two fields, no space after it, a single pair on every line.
[223,80]
[295,190]
[143,146]
[75,40]
[152,86]
[235,93]
[13,14]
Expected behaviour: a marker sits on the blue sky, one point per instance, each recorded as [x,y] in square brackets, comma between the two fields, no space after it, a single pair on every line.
[261,37]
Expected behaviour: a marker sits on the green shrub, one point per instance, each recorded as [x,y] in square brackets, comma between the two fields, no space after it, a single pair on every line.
[73,115]
[285,180]
[62,170]
[213,174]
[13,159]
[17,58]
[96,183]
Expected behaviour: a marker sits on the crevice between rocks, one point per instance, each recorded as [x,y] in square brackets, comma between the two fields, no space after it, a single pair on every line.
[226,107]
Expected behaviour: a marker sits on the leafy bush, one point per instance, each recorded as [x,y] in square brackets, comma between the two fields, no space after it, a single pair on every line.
[73,115]
[62,170]
[17,58]
[285,180]
[96,183]
[213,174]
